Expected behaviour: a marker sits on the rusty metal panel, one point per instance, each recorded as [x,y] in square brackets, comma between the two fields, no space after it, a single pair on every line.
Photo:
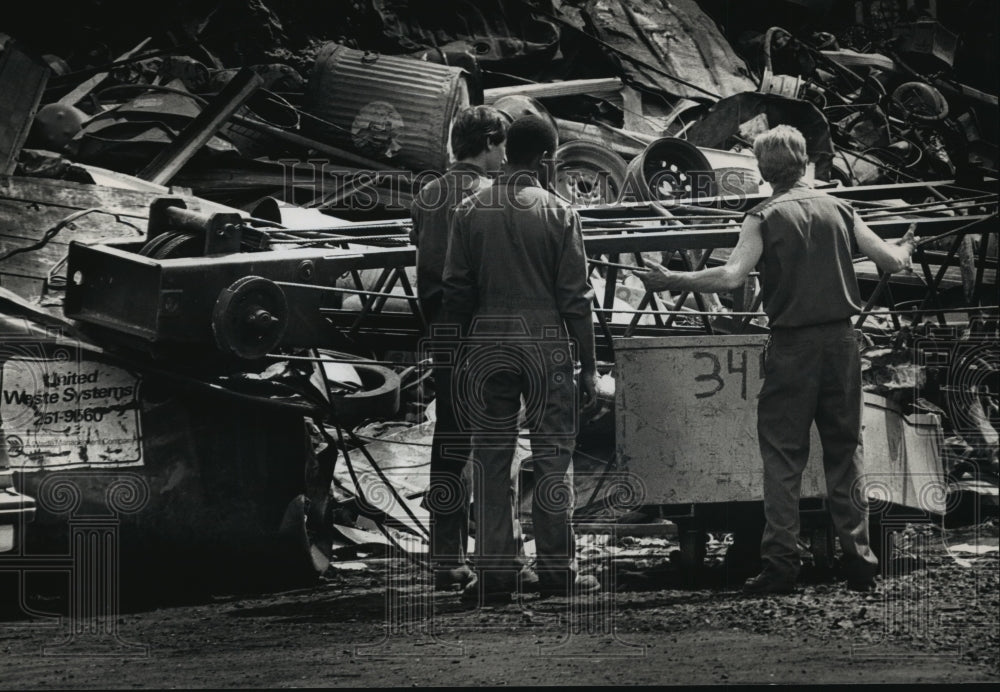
[675,37]
[385,107]
[903,456]
[687,428]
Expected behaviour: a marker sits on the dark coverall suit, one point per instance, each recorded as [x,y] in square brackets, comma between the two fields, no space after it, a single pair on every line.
[516,269]
[447,498]
[812,372]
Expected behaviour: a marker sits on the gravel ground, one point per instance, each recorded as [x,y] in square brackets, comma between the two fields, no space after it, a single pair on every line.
[933,619]
[932,599]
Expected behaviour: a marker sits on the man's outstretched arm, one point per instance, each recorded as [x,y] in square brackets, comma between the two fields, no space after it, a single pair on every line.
[734,272]
[887,256]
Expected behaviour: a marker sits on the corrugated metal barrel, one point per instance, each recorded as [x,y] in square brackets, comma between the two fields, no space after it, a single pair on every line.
[385,107]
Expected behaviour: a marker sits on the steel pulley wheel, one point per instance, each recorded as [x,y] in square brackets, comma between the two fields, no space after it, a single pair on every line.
[153,245]
[172,245]
[250,317]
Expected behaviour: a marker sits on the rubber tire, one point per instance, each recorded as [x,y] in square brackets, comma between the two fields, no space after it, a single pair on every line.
[378,399]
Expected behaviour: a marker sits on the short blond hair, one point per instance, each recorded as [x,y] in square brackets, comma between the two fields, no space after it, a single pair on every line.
[781,155]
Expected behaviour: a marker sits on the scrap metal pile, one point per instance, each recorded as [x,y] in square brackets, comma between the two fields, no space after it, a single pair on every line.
[226,196]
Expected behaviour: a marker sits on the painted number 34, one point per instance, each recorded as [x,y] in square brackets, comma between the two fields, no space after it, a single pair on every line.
[713,380]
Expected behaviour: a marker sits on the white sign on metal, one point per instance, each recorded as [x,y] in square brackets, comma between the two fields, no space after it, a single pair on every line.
[60,414]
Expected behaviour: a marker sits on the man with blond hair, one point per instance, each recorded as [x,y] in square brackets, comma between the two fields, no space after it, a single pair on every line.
[812,366]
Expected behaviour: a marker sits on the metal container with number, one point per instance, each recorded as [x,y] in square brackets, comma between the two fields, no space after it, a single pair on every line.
[385,107]
[687,428]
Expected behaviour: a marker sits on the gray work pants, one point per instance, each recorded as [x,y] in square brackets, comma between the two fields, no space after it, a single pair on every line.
[491,394]
[813,374]
[447,499]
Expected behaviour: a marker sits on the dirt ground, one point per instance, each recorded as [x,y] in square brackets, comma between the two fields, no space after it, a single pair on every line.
[934,618]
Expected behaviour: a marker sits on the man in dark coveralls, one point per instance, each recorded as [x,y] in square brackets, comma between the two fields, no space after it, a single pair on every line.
[812,371]
[516,284]
[477,140]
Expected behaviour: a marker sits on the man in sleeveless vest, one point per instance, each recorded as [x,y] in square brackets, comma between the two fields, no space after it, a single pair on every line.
[803,239]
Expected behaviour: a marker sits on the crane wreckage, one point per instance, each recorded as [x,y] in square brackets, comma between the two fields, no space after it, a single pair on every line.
[209,285]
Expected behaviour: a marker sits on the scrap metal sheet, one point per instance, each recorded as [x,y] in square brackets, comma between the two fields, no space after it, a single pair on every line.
[675,36]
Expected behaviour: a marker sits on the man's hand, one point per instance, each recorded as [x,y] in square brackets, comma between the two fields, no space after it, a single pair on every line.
[909,238]
[588,391]
[655,277]
[909,241]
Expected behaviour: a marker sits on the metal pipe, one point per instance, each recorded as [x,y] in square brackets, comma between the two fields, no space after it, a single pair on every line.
[320,359]
[734,313]
[202,128]
[354,291]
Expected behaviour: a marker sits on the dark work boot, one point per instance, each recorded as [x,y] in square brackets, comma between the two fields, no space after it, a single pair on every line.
[861,585]
[860,575]
[767,583]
